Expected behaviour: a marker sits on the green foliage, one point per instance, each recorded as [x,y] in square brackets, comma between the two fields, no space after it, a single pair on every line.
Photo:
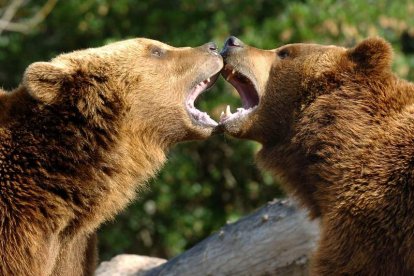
[206,183]
[202,186]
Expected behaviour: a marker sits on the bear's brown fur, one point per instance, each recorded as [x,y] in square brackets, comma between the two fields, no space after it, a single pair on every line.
[80,135]
[338,126]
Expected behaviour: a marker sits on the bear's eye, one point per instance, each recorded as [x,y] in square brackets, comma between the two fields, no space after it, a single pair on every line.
[157,52]
[284,53]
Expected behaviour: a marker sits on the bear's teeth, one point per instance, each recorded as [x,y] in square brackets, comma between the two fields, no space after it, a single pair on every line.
[206,81]
[222,115]
[228,111]
[231,74]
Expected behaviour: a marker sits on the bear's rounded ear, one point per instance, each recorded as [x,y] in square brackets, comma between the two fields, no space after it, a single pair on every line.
[43,80]
[371,55]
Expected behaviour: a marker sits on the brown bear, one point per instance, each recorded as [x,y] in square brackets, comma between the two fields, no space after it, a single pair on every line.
[81,134]
[338,126]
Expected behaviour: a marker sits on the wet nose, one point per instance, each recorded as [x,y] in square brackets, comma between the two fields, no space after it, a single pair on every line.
[232,44]
[211,47]
[233,41]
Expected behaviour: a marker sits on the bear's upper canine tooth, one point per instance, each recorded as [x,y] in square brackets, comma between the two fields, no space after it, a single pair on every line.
[228,111]
[231,74]
[208,80]
[222,115]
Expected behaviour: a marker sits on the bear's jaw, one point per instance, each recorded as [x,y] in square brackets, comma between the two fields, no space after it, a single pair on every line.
[197,116]
[247,90]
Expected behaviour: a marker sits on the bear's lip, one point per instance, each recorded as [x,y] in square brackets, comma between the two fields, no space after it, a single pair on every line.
[247,89]
[199,117]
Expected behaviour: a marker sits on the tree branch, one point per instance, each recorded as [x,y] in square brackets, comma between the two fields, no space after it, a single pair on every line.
[27,25]
[9,14]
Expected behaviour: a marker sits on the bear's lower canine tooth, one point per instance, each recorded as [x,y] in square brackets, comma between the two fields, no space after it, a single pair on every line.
[228,111]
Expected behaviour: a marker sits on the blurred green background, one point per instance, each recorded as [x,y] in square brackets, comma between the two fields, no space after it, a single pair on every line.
[205,184]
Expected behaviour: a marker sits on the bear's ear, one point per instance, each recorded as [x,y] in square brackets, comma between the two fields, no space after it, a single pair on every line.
[371,55]
[43,80]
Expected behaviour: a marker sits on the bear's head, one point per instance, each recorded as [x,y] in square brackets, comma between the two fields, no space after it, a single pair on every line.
[151,85]
[277,86]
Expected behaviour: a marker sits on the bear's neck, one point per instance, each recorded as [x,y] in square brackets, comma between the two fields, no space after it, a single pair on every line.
[342,136]
[88,171]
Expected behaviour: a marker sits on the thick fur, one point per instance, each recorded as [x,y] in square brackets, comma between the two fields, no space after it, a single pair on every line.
[77,139]
[338,126]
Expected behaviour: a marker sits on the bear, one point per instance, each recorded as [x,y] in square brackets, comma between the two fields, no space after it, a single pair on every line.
[81,135]
[337,126]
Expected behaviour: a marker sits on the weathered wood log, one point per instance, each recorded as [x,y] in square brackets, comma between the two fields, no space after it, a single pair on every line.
[275,240]
[128,265]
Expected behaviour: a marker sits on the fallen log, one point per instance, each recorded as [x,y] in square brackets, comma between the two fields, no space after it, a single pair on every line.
[275,240]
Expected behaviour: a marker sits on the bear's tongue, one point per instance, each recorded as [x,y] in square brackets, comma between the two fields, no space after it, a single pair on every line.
[201,117]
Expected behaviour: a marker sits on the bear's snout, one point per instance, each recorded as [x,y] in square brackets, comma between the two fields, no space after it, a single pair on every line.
[210,47]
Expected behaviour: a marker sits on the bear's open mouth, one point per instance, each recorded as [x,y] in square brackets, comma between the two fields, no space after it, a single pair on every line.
[247,90]
[201,118]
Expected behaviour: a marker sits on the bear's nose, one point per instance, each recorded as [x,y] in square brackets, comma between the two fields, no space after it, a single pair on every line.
[211,47]
[232,44]
[233,41]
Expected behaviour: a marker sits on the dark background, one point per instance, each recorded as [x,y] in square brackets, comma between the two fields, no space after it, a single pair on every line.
[204,184]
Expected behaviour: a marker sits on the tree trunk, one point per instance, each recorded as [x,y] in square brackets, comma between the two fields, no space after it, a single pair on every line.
[275,240]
